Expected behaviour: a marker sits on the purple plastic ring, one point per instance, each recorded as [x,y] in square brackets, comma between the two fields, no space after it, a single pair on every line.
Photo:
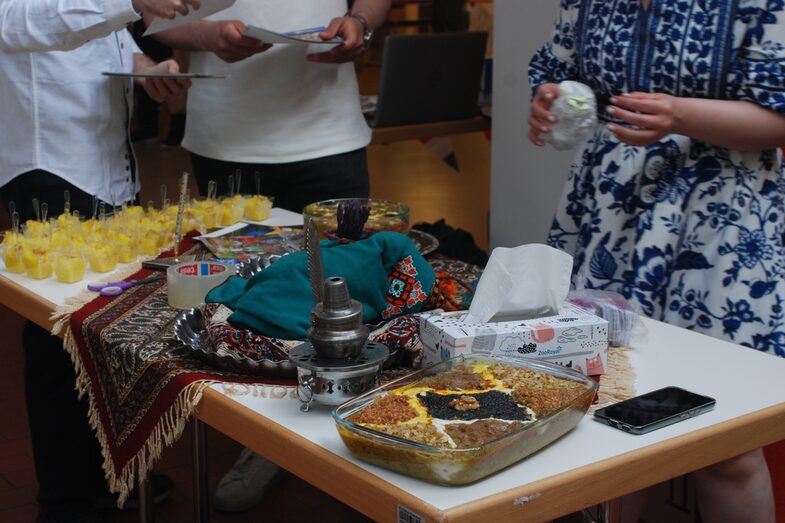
[122,284]
[95,287]
[111,290]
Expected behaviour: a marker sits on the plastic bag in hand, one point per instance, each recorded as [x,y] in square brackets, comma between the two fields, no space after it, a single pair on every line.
[575,109]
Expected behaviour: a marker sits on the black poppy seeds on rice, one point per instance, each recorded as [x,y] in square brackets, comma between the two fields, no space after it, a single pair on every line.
[493,404]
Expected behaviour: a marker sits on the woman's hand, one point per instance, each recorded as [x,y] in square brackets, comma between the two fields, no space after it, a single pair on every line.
[540,116]
[650,117]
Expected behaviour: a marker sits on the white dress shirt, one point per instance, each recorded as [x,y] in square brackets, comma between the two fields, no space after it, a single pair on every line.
[60,114]
[46,25]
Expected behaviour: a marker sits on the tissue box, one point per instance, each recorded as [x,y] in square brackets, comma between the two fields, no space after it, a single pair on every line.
[573,338]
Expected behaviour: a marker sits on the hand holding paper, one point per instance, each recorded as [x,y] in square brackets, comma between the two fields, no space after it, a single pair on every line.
[165,8]
[207,8]
[525,282]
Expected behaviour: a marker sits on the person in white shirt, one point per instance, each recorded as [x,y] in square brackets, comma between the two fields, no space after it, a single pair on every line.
[47,25]
[288,112]
[65,127]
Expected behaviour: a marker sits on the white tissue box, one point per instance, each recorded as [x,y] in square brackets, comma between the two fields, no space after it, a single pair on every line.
[573,338]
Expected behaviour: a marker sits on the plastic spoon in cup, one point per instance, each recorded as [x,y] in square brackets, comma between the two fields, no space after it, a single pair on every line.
[66,202]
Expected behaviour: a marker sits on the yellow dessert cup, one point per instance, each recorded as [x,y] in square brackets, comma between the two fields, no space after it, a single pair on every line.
[102,258]
[257,208]
[69,268]
[37,263]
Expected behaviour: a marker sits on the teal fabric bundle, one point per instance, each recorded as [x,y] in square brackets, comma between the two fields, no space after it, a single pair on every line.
[385,273]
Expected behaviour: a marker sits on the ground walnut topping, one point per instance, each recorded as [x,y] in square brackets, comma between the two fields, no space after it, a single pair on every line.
[457,378]
[385,410]
[545,399]
[465,403]
[515,377]
[421,432]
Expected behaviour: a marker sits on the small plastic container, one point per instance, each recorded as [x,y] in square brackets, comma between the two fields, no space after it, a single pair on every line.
[37,262]
[231,210]
[257,208]
[383,216]
[12,252]
[460,466]
[69,266]
[102,257]
[127,245]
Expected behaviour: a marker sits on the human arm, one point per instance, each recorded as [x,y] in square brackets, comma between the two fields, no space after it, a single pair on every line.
[159,89]
[60,25]
[351,29]
[223,38]
[733,124]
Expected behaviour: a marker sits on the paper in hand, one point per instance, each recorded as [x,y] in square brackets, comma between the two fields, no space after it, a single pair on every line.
[209,7]
[302,37]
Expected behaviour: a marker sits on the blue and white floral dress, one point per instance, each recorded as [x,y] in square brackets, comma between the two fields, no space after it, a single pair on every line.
[690,232]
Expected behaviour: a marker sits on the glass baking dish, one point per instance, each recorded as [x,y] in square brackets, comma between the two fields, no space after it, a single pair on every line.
[460,466]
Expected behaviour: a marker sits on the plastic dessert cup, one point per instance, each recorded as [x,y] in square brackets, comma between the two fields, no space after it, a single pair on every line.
[38,263]
[69,267]
[257,208]
[102,257]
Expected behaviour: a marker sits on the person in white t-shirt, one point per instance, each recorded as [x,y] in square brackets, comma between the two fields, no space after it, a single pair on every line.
[64,126]
[288,112]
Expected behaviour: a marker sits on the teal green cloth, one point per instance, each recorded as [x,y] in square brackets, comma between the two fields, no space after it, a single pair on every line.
[385,273]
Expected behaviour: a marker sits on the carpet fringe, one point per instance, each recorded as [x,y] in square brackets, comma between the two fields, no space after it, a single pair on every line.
[166,432]
[619,382]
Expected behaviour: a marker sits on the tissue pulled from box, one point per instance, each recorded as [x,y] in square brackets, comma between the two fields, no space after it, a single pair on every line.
[525,282]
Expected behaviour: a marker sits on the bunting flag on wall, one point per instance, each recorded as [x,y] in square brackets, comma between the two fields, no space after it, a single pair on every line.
[442,147]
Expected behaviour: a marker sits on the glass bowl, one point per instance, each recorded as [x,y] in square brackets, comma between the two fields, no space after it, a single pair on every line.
[460,466]
[383,216]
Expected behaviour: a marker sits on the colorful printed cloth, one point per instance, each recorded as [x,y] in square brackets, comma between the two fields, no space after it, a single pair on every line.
[225,338]
[385,273]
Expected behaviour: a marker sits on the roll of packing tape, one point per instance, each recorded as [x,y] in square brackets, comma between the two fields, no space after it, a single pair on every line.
[188,283]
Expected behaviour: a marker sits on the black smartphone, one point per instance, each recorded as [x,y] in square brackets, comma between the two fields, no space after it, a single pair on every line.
[654,410]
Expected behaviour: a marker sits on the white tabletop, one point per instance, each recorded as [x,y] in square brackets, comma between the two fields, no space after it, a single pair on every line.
[742,381]
[57,292]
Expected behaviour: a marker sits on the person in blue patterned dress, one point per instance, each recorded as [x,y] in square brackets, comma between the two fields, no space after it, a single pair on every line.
[677,201]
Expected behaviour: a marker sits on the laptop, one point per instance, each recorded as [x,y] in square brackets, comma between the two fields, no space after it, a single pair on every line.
[430,77]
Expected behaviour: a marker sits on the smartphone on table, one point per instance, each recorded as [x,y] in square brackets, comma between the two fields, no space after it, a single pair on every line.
[654,410]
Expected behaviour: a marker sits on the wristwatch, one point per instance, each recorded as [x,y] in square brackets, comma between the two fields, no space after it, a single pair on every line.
[367,29]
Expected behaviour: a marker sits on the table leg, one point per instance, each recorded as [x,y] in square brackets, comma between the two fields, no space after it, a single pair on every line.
[146,514]
[201,496]
[607,512]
